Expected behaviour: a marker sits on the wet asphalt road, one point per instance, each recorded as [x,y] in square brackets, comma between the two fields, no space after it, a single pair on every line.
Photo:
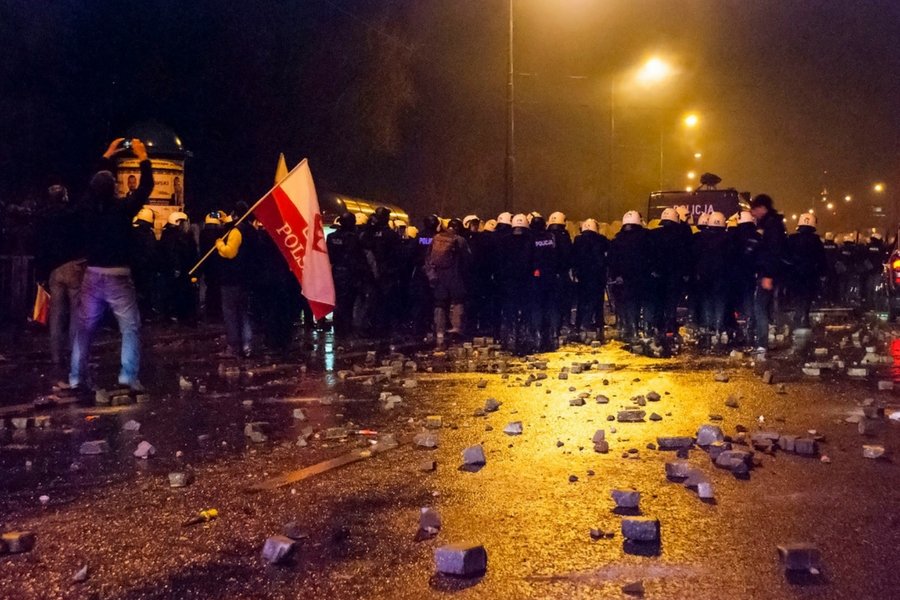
[117,515]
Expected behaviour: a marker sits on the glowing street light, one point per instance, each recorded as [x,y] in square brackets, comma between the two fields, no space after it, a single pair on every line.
[829,206]
[794,217]
[654,71]
[691,120]
[689,189]
[878,187]
[697,155]
[691,175]
[848,198]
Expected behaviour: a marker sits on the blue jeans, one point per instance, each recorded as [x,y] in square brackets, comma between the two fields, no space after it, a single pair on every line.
[100,289]
[236,314]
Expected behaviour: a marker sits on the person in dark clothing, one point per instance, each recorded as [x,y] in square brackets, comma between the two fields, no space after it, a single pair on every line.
[107,280]
[145,260]
[236,249]
[382,245]
[744,242]
[494,242]
[409,251]
[849,268]
[477,276]
[446,265]
[545,287]
[276,295]
[179,253]
[515,254]
[671,266]
[875,255]
[565,292]
[711,271]
[211,268]
[589,267]
[629,260]
[59,266]
[348,267]
[808,265]
[830,286]
[769,257]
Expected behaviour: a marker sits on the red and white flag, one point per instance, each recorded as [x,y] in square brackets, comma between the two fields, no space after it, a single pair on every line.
[290,214]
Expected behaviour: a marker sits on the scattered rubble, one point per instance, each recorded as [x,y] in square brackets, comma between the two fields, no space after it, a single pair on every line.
[640,529]
[277,548]
[800,557]
[94,447]
[873,451]
[145,450]
[429,521]
[474,455]
[514,428]
[463,560]
[626,498]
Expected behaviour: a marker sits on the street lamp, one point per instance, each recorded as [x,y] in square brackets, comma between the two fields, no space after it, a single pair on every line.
[691,120]
[878,187]
[691,175]
[697,155]
[848,198]
[510,171]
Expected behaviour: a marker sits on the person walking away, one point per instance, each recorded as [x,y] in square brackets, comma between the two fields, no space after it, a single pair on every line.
[236,250]
[830,287]
[545,286]
[589,268]
[145,261]
[107,279]
[209,271]
[873,266]
[59,265]
[848,268]
[808,266]
[556,225]
[383,244]
[348,268]
[629,269]
[769,259]
[179,251]
[514,276]
[445,267]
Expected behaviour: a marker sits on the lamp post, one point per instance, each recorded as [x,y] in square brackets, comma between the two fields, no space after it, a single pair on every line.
[510,170]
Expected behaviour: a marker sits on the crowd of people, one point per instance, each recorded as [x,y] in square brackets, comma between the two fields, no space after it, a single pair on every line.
[527,282]
[521,279]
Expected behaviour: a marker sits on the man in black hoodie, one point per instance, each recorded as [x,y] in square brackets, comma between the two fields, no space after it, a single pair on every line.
[672,262]
[769,257]
[589,264]
[806,256]
[107,280]
[629,268]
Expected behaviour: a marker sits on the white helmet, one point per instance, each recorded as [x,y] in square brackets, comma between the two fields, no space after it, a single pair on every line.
[632,217]
[682,211]
[703,219]
[716,219]
[532,215]
[467,220]
[746,217]
[850,237]
[520,220]
[669,214]
[557,218]
[177,217]
[807,219]
[361,218]
[829,236]
[589,225]
[490,225]
[505,218]
[875,236]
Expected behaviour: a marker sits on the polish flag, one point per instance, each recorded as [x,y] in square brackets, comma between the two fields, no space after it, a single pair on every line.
[290,214]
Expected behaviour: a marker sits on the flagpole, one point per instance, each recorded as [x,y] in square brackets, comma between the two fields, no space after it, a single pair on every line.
[241,220]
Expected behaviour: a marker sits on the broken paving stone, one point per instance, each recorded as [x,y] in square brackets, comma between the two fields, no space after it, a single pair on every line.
[294,531]
[488,427]
[491,405]
[806,446]
[873,412]
[800,557]
[639,400]
[462,560]
[768,377]
[434,422]
[101,396]
[626,498]
[426,440]
[868,426]
[576,402]
[474,455]
[630,416]
[601,447]
[514,428]
[94,447]
[180,479]
[145,450]
[678,469]
[482,384]
[717,448]
[732,402]
[873,451]
[715,417]
[674,442]
[653,397]
[300,414]
[655,417]
[573,478]
[635,588]
[20,422]
[479,412]
[707,434]
[277,548]
[857,372]
[80,575]
[737,461]
[721,377]
[429,521]
[640,529]
[599,436]
[601,399]
[428,466]
[131,425]
[885,385]
[335,433]
[787,443]
[17,542]
[256,431]
[705,490]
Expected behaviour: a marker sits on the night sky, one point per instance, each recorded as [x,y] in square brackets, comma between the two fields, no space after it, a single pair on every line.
[405,101]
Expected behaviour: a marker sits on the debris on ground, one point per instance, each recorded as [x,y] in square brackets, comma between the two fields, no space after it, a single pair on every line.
[277,548]
[800,557]
[429,521]
[94,447]
[474,456]
[462,560]
[873,451]
[635,588]
[514,428]
[640,529]
[145,450]
[626,498]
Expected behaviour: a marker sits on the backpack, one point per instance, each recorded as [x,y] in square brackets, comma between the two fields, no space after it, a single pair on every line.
[443,252]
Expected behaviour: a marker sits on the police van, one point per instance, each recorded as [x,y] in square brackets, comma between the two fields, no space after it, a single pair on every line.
[726,201]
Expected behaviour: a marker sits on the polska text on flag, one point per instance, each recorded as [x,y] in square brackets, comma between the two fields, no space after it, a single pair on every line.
[290,214]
